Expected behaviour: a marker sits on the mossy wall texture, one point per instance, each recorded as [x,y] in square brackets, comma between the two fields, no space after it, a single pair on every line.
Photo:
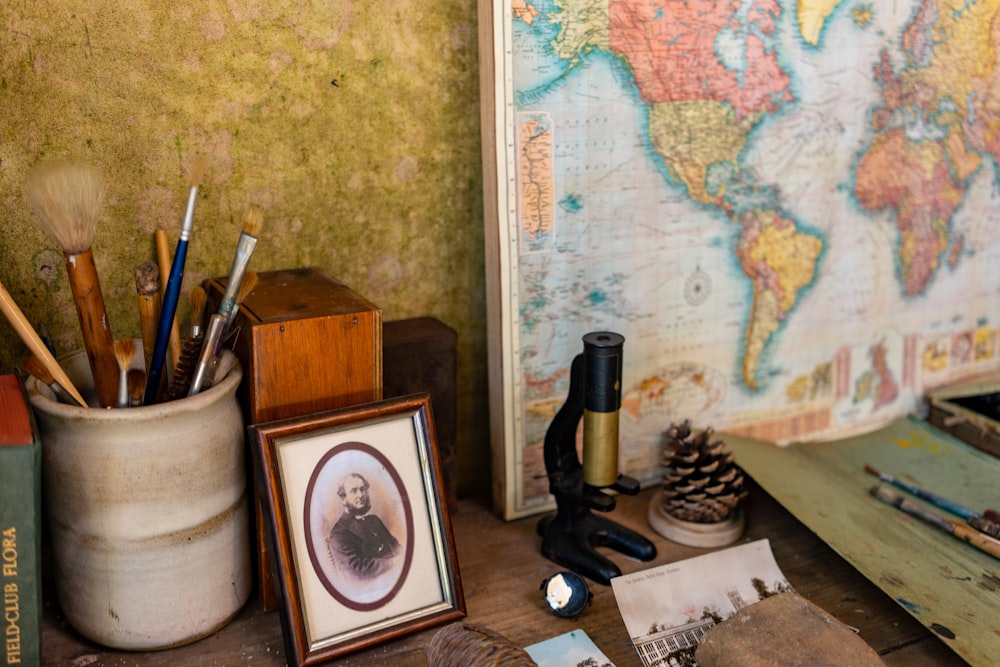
[353,125]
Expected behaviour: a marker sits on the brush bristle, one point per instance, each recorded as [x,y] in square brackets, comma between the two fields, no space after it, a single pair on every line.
[247,286]
[136,379]
[198,299]
[34,366]
[885,495]
[198,168]
[124,351]
[147,279]
[67,198]
[253,221]
[184,371]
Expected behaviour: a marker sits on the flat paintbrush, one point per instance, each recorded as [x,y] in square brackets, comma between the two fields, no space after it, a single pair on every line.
[124,353]
[34,342]
[959,529]
[172,292]
[253,221]
[136,380]
[215,334]
[68,199]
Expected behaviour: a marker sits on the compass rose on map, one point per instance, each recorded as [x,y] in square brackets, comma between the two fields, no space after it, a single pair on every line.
[697,287]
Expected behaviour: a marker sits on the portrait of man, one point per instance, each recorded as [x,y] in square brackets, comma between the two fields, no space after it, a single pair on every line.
[359,542]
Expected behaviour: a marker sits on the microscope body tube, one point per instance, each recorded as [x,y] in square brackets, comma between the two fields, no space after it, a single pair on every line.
[603,396]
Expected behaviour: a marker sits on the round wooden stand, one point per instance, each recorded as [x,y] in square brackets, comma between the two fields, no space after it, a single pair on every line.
[695,534]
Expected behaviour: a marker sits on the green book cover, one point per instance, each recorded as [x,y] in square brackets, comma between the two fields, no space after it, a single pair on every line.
[20,526]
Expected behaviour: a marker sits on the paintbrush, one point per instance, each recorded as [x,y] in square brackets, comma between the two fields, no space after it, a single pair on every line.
[253,221]
[136,381]
[124,352]
[959,529]
[198,300]
[215,334]
[147,291]
[67,199]
[163,261]
[30,338]
[934,499]
[34,367]
[173,289]
[984,525]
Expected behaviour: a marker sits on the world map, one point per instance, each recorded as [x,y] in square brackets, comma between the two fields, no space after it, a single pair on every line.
[785,208]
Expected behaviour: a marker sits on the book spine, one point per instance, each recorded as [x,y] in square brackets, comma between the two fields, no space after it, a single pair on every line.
[20,557]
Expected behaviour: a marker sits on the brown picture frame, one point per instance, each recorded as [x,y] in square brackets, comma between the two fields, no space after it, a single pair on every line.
[359,525]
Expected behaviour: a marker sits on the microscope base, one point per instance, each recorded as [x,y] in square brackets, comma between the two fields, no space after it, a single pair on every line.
[570,540]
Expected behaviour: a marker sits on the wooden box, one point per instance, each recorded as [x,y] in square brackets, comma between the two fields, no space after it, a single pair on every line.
[420,355]
[970,412]
[307,343]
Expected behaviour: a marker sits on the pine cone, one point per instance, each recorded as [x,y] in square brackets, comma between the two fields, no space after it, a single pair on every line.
[701,483]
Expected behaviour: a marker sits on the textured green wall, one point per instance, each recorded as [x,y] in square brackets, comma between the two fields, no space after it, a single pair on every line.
[354,125]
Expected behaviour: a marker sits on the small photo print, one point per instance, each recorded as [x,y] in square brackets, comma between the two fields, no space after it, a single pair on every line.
[669,608]
[573,649]
[359,526]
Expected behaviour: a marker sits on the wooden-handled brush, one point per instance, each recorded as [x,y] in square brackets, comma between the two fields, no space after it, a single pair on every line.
[173,289]
[959,529]
[219,323]
[68,199]
[253,222]
[215,334]
[147,291]
[34,342]
[34,367]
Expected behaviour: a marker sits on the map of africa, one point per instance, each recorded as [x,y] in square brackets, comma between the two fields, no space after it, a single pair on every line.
[785,208]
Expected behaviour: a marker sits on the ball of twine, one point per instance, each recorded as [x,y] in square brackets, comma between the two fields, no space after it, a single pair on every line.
[469,645]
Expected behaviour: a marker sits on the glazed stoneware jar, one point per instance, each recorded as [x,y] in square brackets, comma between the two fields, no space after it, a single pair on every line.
[147,512]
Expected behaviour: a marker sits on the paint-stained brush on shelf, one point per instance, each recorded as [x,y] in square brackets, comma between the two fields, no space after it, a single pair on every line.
[959,529]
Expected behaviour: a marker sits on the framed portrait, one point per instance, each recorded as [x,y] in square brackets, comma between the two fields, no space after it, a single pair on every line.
[359,526]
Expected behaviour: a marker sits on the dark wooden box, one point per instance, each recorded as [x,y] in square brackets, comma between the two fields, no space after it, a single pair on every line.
[420,355]
[968,412]
[307,343]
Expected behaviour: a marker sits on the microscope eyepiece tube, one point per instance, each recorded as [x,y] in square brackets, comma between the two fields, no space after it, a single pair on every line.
[602,400]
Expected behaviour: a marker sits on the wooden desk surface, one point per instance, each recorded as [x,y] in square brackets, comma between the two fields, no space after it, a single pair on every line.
[502,569]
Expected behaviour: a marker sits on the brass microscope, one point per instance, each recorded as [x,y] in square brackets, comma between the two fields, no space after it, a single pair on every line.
[571,535]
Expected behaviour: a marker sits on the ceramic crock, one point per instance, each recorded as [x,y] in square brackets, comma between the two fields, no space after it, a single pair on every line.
[146,511]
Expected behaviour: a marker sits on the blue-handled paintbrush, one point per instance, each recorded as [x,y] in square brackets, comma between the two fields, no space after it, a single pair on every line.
[982,521]
[173,289]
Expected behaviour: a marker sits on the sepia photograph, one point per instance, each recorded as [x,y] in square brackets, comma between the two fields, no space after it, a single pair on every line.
[360,528]
[669,608]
